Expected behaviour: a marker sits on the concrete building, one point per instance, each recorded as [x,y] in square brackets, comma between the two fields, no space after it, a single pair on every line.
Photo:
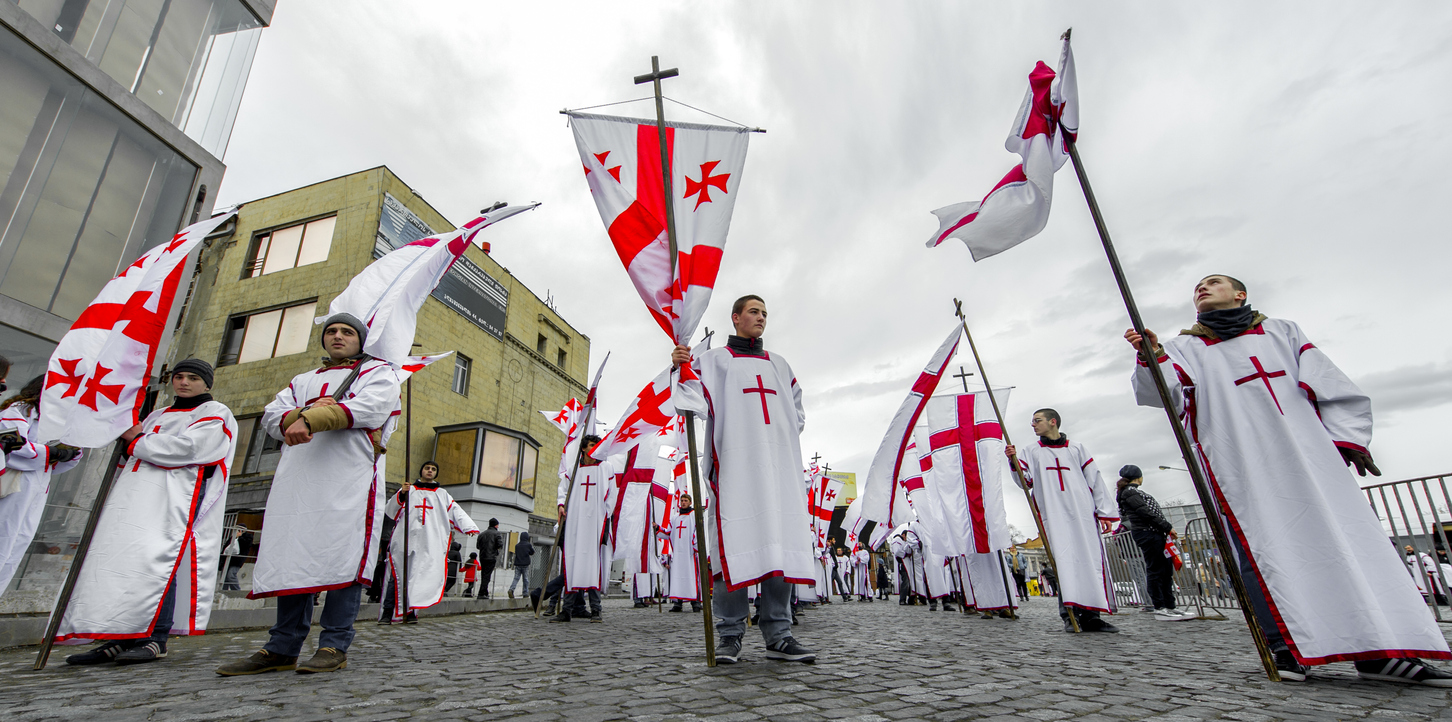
[114,118]
[264,278]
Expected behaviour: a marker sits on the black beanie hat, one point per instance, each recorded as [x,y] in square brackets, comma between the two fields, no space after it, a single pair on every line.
[1130,471]
[195,366]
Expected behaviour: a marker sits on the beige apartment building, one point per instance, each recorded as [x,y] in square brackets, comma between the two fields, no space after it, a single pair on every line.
[263,279]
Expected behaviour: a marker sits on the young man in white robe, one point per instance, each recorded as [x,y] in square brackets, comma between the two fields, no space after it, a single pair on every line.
[753,462]
[432,520]
[324,513]
[860,584]
[1077,505]
[152,566]
[586,552]
[25,471]
[1275,425]
[685,575]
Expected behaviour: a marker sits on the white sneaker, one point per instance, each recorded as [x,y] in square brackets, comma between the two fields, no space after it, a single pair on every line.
[1174,615]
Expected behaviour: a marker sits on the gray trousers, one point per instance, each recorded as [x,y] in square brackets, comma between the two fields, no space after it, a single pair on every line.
[732,608]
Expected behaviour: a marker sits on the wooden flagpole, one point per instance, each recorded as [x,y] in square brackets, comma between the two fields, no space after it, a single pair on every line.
[1013,460]
[84,546]
[407,470]
[1187,451]
[655,76]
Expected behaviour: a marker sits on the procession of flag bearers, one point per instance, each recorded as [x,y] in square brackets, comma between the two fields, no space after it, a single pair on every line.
[1273,423]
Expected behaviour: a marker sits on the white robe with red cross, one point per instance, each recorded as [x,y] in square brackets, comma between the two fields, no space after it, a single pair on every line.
[324,510]
[433,517]
[757,512]
[1072,497]
[155,528]
[1266,411]
[586,549]
[28,469]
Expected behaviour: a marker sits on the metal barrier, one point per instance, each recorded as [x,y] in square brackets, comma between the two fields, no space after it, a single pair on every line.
[1200,583]
[1414,513]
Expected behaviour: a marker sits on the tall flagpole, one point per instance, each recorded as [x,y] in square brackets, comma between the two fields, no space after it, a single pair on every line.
[655,76]
[1187,451]
[1013,460]
[84,545]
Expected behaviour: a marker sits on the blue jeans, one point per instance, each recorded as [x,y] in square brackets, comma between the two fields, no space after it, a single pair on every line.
[774,603]
[162,626]
[521,577]
[295,618]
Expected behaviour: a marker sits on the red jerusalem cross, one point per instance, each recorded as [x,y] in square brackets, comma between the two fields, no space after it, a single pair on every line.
[587,483]
[423,510]
[1061,469]
[763,390]
[1265,378]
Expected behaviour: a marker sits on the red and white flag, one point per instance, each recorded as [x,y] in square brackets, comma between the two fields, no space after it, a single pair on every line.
[415,364]
[577,421]
[622,162]
[96,379]
[962,443]
[1017,209]
[648,413]
[824,502]
[879,486]
[387,295]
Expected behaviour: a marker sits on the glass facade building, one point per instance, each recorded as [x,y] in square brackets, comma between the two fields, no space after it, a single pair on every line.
[114,118]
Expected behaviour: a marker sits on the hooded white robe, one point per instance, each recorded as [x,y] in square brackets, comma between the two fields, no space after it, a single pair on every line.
[154,529]
[433,517]
[29,469]
[1071,506]
[753,462]
[586,544]
[322,524]
[1267,411]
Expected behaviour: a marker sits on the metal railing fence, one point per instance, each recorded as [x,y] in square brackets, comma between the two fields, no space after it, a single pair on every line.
[1201,582]
[1415,515]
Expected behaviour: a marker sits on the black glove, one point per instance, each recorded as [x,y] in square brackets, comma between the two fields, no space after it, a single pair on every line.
[60,453]
[1360,459]
[11,441]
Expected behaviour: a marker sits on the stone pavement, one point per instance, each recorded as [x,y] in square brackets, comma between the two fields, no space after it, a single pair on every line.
[879,661]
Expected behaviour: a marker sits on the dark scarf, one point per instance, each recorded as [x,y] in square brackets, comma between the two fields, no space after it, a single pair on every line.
[426,484]
[1061,443]
[1227,323]
[191,403]
[747,346]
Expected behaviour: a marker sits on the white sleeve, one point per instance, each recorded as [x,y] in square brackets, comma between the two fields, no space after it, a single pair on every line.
[1105,506]
[461,521]
[1143,382]
[284,402]
[1344,409]
[374,396]
[208,440]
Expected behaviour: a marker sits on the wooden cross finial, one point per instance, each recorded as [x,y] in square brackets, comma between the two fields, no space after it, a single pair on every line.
[963,375]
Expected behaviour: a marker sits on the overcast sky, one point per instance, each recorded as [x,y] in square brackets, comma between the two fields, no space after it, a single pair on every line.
[1297,147]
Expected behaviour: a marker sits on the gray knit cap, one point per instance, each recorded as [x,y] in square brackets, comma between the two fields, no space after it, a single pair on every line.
[350,320]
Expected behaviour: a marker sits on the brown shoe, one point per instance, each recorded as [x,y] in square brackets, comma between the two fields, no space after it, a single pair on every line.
[326,659]
[259,662]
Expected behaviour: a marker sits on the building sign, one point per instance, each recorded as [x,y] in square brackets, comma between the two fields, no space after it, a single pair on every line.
[466,288]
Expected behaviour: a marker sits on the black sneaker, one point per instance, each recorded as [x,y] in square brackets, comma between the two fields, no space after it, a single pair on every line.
[1409,670]
[1291,670]
[728,650]
[787,650]
[1068,626]
[1100,625]
[676,608]
[561,617]
[596,617]
[948,607]
[410,618]
[148,652]
[100,655]
[639,605]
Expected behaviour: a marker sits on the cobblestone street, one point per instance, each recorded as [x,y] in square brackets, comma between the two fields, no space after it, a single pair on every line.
[878,661]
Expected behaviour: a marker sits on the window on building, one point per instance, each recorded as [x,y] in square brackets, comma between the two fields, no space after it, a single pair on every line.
[540,344]
[454,450]
[560,358]
[526,470]
[499,464]
[462,364]
[257,452]
[291,247]
[267,334]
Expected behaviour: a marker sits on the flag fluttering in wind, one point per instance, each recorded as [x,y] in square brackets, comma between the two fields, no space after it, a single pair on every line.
[1017,209]
[96,379]
[387,295]
[415,364]
[649,412]
[577,421]
[879,487]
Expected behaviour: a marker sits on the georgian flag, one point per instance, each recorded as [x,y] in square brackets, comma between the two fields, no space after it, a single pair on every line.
[963,446]
[1017,209]
[387,295]
[649,412]
[880,485]
[576,421]
[415,364]
[824,503]
[96,379]
[852,522]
